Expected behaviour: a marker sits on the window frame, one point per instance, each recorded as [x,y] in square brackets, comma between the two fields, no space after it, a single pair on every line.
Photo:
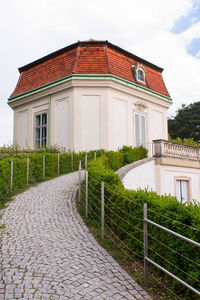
[143,75]
[41,126]
[188,182]
[139,68]
[140,142]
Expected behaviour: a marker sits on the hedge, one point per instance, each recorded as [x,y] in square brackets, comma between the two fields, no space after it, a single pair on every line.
[19,158]
[122,204]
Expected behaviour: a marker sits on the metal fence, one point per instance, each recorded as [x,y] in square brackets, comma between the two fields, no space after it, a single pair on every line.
[101,219]
[44,168]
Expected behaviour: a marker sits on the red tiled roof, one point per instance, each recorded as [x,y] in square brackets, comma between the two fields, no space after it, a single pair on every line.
[89,57]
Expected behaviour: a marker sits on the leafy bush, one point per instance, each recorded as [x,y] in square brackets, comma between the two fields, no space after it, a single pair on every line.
[19,158]
[116,160]
[185,141]
[124,216]
[134,154]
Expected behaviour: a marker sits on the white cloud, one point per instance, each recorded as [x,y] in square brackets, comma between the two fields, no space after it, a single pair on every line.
[30,29]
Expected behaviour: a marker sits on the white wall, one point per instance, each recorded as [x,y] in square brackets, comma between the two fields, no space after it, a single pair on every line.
[157,124]
[61,123]
[119,123]
[142,177]
[168,174]
[162,179]
[90,122]
[22,128]
[100,114]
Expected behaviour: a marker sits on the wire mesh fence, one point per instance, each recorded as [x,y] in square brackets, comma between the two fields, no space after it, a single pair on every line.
[125,228]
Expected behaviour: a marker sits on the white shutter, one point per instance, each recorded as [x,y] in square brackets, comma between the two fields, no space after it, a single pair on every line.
[143,135]
[137,130]
[182,191]
[178,190]
[140,129]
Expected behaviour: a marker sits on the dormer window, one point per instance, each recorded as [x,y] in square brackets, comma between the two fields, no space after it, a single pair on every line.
[139,72]
[140,75]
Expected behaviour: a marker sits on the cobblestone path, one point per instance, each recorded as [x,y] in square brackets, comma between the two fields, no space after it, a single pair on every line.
[48,253]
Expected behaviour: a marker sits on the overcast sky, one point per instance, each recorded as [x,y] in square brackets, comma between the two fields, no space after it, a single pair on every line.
[164,32]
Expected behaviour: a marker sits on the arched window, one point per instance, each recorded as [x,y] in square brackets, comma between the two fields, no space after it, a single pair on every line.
[140,75]
[139,72]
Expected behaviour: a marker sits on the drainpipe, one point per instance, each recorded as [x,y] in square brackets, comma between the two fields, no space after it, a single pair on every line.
[49,122]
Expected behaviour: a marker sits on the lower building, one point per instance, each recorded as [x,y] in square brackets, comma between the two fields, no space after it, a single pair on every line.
[174,170]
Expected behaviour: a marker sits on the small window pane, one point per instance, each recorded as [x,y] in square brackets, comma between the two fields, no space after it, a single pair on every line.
[140,75]
[41,130]
[38,120]
[44,132]
[44,119]
[37,133]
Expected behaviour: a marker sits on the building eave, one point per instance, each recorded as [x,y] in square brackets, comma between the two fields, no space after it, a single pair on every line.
[91,77]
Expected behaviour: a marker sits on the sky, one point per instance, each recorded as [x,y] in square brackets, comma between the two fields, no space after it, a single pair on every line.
[164,32]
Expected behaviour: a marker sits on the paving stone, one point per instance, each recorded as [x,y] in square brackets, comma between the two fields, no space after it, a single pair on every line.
[48,253]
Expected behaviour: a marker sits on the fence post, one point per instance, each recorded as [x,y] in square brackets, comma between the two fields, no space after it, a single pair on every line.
[146,279]
[58,163]
[102,210]
[72,161]
[86,160]
[86,194]
[11,177]
[43,167]
[79,189]
[101,153]
[27,180]
[95,155]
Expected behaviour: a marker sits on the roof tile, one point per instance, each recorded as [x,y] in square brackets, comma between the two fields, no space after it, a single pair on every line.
[89,57]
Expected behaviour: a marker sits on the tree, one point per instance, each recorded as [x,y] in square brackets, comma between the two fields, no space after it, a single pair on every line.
[186,123]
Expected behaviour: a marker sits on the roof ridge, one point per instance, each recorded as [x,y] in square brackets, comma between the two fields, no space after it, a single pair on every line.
[76,59]
[106,57]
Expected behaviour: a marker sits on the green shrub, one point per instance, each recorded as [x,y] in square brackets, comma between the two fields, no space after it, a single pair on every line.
[124,216]
[116,160]
[134,154]
[19,158]
[185,141]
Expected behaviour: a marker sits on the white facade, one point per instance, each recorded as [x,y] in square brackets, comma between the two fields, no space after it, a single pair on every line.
[166,176]
[91,114]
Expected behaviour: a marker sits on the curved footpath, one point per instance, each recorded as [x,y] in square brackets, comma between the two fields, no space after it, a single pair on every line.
[48,253]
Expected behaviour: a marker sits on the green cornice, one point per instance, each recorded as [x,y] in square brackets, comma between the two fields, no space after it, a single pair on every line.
[91,77]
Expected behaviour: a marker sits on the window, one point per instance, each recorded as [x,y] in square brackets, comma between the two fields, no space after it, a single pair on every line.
[41,130]
[140,129]
[140,75]
[182,191]
[139,72]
